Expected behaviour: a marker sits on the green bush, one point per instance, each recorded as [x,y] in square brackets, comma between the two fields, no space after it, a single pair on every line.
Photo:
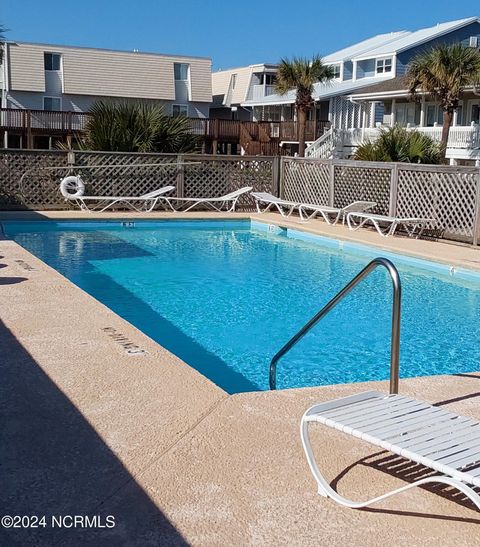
[399,145]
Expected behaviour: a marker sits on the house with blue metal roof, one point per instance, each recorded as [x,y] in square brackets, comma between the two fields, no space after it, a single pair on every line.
[374,62]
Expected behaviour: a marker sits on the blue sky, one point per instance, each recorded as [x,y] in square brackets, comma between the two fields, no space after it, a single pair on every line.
[231,33]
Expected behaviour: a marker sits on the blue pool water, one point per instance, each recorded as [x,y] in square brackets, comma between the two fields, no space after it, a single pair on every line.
[225,296]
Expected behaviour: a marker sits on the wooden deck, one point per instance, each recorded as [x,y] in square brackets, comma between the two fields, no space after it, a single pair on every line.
[254,137]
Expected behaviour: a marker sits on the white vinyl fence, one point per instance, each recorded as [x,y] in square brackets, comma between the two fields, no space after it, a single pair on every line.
[450,195]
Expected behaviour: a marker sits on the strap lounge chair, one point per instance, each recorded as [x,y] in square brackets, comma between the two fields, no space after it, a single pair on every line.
[72,189]
[427,435]
[331,215]
[413,226]
[270,201]
[218,203]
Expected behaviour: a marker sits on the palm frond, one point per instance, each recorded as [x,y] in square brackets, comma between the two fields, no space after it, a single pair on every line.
[396,144]
[136,126]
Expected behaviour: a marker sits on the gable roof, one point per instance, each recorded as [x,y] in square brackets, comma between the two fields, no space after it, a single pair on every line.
[412,39]
[360,48]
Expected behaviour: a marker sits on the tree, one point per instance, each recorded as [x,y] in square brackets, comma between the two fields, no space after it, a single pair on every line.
[398,144]
[302,74]
[136,126]
[3,30]
[443,72]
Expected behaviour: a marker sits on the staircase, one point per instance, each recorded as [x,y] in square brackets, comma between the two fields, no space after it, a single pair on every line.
[255,140]
[325,147]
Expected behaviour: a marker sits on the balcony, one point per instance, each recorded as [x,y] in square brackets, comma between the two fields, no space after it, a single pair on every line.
[39,121]
[259,91]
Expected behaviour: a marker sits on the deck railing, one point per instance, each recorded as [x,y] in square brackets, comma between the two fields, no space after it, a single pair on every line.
[16,119]
[460,137]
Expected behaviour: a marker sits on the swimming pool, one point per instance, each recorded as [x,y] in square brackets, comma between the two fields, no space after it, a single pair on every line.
[225,296]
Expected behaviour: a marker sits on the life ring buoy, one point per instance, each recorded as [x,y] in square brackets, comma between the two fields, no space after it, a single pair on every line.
[72,187]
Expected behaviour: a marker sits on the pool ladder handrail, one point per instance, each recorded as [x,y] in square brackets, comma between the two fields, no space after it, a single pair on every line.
[395,332]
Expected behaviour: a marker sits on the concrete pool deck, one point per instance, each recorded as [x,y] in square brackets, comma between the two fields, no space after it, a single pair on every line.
[91,429]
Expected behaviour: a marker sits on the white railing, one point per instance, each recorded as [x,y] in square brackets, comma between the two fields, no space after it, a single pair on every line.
[259,91]
[324,146]
[463,137]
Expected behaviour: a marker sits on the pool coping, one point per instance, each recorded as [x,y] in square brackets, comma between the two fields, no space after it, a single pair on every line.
[158,448]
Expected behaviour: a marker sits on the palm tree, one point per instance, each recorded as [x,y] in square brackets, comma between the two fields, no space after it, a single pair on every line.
[302,74]
[136,126]
[398,144]
[3,30]
[443,72]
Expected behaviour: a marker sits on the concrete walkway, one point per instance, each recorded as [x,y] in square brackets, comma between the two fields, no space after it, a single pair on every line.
[97,419]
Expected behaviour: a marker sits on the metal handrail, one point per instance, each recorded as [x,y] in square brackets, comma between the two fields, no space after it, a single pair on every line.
[395,334]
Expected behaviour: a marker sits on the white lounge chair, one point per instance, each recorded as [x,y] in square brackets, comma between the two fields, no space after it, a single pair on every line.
[413,226]
[72,189]
[425,434]
[331,215]
[269,201]
[222,201]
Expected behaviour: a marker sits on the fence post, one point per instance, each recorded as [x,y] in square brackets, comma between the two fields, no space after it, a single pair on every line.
[276,175]
[180,176]
[281,180]
[476,223]
[331,184]
[392,206]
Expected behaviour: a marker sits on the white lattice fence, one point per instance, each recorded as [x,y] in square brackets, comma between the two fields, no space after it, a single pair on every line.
[217,176]
[24,181]
[354,181]
[123,174]
[306,181]
[444,194]
[32,178]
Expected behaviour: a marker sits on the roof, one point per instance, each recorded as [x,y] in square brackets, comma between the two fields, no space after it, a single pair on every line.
[360,48]
[412,39]
[393,84]
[135,52]
[321,91]
[267,66]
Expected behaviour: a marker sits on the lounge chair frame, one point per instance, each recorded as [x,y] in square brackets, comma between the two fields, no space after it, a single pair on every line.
[219,204]
[141,204]
[420,432]
[331,215]
[270,201]
[413,226]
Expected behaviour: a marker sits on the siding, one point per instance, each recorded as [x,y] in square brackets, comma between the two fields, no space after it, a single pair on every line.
[82,103]
[26,68]
[456,36]
[109,73]
[221,83]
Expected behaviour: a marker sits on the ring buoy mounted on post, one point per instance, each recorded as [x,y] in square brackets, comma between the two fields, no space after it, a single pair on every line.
[72,187]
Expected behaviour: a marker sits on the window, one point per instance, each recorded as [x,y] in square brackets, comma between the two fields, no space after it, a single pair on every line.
[476,113]
[336,71]
[180,110]
[181,71]
[52,103]
[233,81]
[51,61]
[270,79]
[434,115]
[384,65]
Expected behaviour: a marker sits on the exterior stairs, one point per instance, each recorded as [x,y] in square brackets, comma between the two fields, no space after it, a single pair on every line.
[328,146]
